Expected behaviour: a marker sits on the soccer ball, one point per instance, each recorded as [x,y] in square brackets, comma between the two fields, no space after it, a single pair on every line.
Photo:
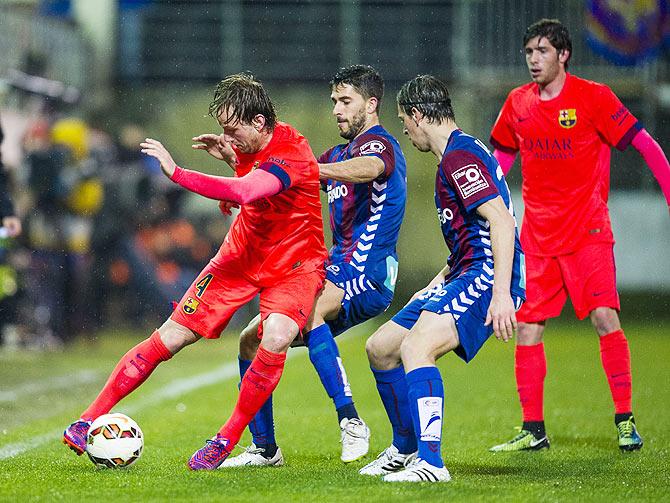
[114,441]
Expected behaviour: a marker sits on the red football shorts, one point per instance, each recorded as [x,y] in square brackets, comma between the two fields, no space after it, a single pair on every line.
[587,275]
[212,299]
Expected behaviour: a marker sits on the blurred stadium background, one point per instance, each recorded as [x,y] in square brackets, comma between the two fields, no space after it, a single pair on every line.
[108,242]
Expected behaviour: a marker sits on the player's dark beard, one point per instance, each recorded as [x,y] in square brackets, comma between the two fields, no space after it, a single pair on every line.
[357,125]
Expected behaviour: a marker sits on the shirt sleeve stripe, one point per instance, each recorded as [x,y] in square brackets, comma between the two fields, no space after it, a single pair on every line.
[277,171]
[501,147]
[628,137]
[481,201]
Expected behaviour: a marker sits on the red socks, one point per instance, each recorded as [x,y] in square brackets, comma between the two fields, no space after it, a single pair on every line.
[530,369]
[131,371]
[615,356]
[258,383]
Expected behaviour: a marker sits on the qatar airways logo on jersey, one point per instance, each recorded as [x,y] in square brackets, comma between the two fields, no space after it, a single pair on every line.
[546,149]
[336,192]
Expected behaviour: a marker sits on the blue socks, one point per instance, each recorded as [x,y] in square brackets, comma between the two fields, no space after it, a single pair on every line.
[392,389]
[326,359]
[426,397]
[262,426]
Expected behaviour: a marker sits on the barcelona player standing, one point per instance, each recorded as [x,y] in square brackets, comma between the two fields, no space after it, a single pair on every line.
[274,248]
[564,128]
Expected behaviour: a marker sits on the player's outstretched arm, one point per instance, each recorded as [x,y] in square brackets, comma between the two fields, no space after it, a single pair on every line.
[505,159]
[653,155]
[155,149]
[501,311]
[357,170]
[249,188]
[216,146]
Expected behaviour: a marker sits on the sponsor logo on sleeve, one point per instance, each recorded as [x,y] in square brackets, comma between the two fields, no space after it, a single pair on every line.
[469,180]
[278,161]
[567,118]
[372,147]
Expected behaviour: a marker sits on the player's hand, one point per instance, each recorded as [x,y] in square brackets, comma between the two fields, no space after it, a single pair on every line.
[502,315]
[216,146]
[424,291]
[227,206]
[155,149]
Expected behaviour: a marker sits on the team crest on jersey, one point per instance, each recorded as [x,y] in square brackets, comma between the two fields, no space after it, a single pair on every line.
[372,147]
[567,118]
[256,164]
[190,306]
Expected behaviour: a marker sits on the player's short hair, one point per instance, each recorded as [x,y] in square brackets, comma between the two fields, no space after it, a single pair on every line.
[554,31]
[245,97]
[429,95]
[364,78]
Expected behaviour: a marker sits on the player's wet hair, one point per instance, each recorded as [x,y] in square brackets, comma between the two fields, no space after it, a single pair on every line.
[429,95]
[245,97]
[554,31]
[365,79]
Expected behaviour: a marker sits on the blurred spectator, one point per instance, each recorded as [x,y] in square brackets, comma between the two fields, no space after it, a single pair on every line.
[11,228]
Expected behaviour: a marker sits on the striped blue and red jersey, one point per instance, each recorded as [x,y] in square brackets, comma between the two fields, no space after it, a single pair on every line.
[468,176]
[365,217]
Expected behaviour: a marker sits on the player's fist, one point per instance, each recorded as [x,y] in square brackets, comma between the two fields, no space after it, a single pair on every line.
[216,146]
[227,206]
[155,149]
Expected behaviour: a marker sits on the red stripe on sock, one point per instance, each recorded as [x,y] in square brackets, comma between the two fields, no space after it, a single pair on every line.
[258,383]
[615,356]
[132,370]
[530,369]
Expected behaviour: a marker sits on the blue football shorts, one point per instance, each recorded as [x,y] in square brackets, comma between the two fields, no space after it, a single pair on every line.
[363,298]
[467,298]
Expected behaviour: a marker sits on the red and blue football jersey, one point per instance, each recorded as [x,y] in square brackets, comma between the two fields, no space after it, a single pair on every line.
[365,218]
[468,176]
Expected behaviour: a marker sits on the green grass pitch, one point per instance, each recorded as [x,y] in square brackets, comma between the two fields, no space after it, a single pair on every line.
[185,401]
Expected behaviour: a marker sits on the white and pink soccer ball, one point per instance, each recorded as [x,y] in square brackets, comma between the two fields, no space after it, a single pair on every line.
[114,441]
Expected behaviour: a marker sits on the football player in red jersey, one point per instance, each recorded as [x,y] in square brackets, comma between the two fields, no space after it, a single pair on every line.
[564,128]
[274,248]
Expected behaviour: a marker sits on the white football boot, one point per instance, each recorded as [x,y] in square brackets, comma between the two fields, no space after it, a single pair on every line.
[355,439]
[419,471]
[253,456]
[388,461]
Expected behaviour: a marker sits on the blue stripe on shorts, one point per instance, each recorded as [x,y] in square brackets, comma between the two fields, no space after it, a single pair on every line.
[363,298]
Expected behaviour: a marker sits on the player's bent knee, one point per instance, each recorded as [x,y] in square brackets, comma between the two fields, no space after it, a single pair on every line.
[279,331]
[530,334]
[249,340]
[383,351]
[175,336]
[605,320]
